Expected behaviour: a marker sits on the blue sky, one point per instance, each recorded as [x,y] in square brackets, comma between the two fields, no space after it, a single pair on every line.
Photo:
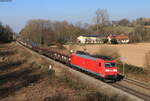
[17,12]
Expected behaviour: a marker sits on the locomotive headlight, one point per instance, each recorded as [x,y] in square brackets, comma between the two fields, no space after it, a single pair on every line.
[115,70]
[107,70]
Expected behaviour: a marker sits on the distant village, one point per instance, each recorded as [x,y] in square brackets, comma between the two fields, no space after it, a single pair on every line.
[101,38]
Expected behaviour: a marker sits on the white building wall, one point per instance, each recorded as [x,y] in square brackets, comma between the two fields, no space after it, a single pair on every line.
[81,39]
[125,41]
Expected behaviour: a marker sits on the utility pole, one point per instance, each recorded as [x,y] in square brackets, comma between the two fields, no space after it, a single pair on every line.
[123,59]
[123,68]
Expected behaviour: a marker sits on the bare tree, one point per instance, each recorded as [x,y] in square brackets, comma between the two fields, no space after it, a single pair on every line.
[47,32]
[140,34]
[124,22]
[102,17]
[38,31]
[6,33]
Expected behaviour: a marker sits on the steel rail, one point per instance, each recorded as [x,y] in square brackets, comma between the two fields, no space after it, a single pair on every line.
[132,91]
[138,83]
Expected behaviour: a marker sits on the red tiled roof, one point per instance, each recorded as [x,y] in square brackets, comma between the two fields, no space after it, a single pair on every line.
[119,37]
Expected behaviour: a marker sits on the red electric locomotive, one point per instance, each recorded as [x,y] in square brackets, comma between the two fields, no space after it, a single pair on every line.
[103,66]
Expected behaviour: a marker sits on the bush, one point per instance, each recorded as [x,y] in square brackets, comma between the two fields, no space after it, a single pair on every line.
[6,34]
[114,41]
[105,40]
[51,75]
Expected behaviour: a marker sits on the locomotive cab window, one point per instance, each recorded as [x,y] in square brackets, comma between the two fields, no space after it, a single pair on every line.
[110,64]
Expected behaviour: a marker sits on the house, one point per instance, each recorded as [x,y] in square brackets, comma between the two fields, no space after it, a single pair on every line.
[122,39]
[96,38]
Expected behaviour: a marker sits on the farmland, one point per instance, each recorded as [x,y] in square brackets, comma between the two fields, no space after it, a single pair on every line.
[24,76]
[134,53]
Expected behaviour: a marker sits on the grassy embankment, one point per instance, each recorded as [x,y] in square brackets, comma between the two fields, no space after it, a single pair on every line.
[25,76]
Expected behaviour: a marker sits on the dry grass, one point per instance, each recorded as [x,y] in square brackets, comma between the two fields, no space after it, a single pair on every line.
[57,97]
[135,53]
[26,77]
[109,51]
[97,96]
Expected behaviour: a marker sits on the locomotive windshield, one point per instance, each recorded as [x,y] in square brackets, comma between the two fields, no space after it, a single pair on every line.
[110,64]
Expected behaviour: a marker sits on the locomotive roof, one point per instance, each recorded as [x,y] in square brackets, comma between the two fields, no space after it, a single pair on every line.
[95,56]
[103,57]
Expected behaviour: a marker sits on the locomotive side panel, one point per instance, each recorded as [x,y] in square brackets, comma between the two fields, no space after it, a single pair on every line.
[86,63]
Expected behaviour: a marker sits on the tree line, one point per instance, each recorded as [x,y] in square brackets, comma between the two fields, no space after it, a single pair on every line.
[6,33]
[48,32]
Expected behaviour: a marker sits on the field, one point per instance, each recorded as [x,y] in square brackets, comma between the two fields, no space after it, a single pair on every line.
[25,76]
[134,53]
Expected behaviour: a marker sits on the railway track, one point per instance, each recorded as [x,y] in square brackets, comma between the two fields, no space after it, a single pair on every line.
[129,90]
[138,83]
[134,87]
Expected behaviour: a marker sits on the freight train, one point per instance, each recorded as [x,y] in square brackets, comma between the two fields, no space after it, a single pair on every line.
[102,66]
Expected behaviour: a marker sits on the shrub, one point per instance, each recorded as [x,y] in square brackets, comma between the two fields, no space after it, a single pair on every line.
[105,40]
[6,34]
[51,75]
[114,41]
